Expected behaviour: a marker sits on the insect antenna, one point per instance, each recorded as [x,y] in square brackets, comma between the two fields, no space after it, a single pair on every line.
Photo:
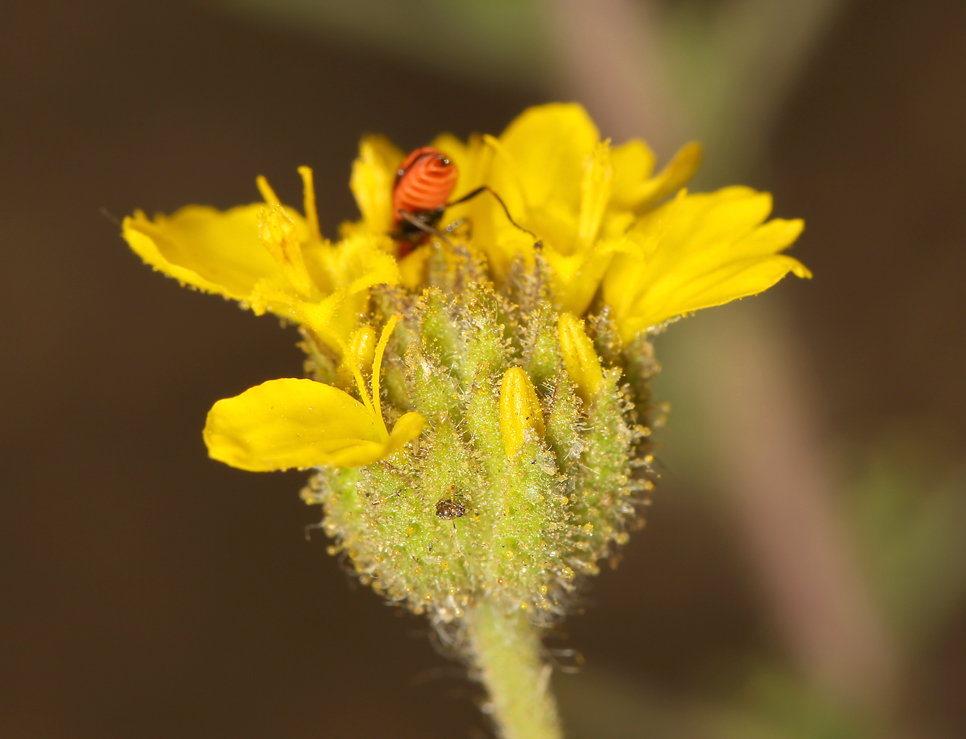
[486,188]
[111,217]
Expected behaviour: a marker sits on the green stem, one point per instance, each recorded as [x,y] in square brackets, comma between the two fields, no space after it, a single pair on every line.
[506,651]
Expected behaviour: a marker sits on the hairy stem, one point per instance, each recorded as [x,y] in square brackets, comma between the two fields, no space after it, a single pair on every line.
[507,655]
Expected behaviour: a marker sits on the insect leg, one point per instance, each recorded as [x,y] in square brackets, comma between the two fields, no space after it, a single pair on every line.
[415,221]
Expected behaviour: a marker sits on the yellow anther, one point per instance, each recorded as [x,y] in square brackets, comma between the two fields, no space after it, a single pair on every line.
[377,363]
[521,416]
[579,356]
[277,231]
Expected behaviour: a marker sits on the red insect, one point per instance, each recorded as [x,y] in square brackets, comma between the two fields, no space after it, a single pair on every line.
[424,181]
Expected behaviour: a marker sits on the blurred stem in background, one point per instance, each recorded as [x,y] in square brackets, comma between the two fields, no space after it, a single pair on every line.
[851,603]
[759,409]
[721,75]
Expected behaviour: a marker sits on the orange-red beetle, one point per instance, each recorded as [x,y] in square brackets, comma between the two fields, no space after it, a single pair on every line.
[424,181]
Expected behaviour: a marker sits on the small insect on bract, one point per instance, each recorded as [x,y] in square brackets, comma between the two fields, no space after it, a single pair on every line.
[449,509]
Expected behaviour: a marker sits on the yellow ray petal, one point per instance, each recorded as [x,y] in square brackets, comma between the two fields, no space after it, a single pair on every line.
[277,232]
[288,423]
[412,268]
[633,164]
[355,263]
[216,251]
[595,188]
[696,252]
[547,145]
[577,277]
[408,427]
[673,177]
[739,279]
[373,174]
[471,159]
[350,268]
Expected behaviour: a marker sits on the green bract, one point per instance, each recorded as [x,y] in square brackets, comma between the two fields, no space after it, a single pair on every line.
[459,518]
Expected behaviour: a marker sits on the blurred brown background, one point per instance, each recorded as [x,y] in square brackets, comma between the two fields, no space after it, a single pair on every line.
[146,591]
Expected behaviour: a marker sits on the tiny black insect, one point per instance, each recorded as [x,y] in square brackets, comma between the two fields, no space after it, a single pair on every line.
[449,510]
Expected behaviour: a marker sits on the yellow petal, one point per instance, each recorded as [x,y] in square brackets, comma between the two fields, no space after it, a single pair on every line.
[594,194]
[521,417]
[316,315]
[472,159]
[407,428]
[672,178]
[288,423]
[633,164]
[412,268]
[546,146]
[277,232]
[350,268]
[579,355]
[371,182]
[696,252]
[291,423]
[504,248]
[355,263]
[216,251]
[577,277]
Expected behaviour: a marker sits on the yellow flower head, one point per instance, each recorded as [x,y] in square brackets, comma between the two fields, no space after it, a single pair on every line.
[478,412]
[548,204]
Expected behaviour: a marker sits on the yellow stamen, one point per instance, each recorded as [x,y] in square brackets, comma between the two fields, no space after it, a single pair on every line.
[308,193]
[268,194]
[377,365]
[349,362]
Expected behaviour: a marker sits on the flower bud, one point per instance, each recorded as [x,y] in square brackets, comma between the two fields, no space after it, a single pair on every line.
[521,417]
[579,356]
